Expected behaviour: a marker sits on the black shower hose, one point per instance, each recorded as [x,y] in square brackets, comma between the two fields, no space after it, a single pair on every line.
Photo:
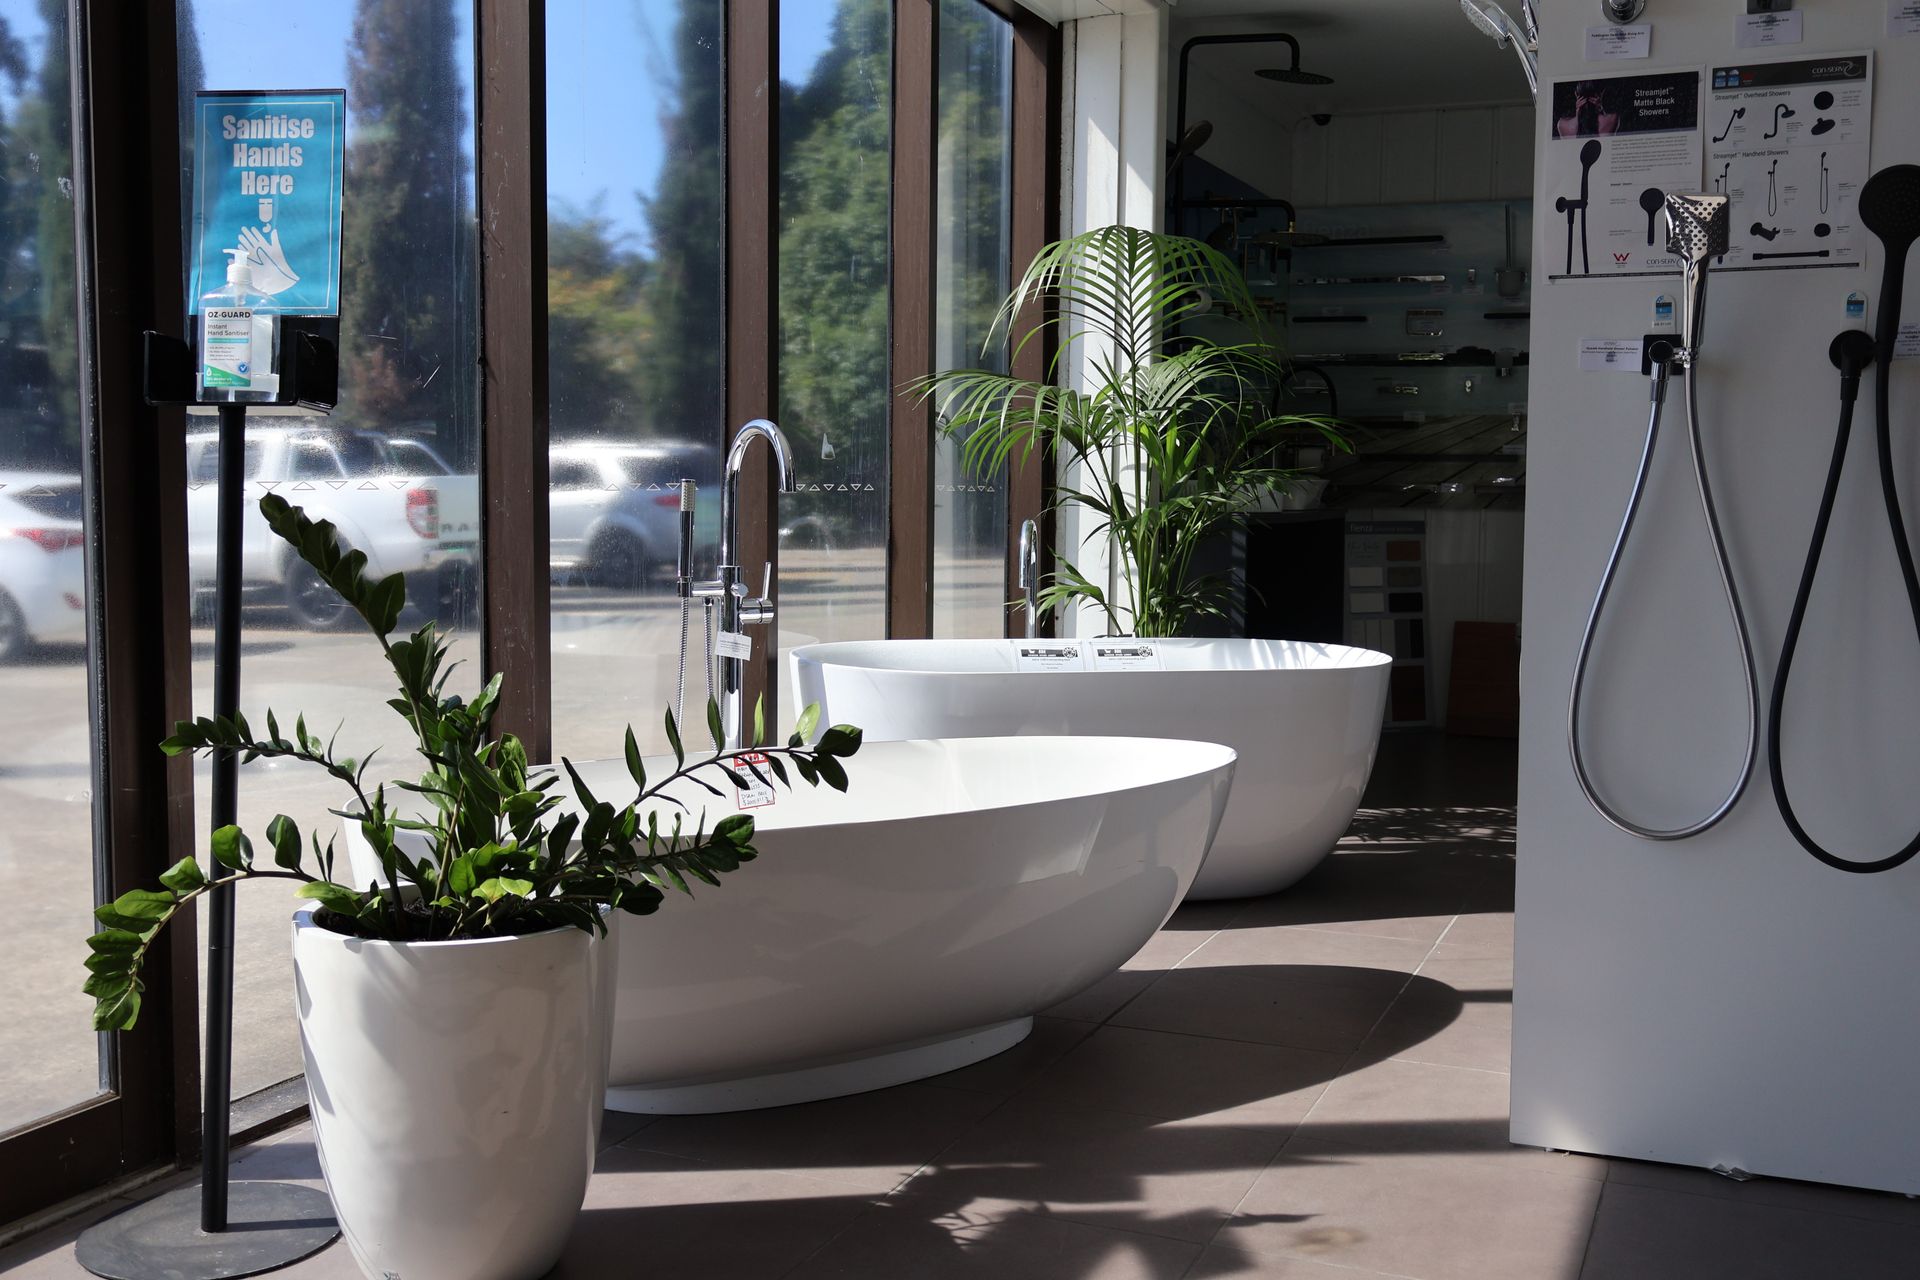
[1897,525]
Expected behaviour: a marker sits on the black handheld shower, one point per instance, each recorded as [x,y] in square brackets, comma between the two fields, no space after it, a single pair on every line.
[1589,156]
[1652,200]
[1773,189]
[1697,230]
[1824,173]
[1890,209]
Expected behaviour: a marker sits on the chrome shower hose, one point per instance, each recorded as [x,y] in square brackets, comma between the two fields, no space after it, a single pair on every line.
[1601,805]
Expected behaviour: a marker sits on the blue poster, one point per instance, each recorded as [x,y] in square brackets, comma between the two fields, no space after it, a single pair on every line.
[267,179]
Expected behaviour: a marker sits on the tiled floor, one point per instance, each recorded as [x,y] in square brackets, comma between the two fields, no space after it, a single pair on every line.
[1307,1087]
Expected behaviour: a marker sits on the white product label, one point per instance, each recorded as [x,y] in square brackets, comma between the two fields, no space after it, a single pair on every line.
[1048,655]
[1903,17]
[1618,44]
[1610,355]
[1907,345]
[1125,655]
[757,794]
[733,644]
[226,348]
[1764,30]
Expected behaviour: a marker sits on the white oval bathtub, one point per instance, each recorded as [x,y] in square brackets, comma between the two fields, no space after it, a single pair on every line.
[911,926]
[1304,718]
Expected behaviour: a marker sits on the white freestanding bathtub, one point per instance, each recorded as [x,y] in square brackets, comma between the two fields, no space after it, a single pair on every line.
[910,926]
[1304,718]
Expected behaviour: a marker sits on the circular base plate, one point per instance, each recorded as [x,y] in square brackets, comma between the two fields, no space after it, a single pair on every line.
[269,1225]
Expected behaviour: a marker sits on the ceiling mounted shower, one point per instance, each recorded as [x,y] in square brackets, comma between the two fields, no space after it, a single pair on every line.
[1494,21]
[1292,74]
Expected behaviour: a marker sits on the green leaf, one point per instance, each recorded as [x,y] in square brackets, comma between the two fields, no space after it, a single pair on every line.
[634,765]
[334,897]
[673,740]
[841,740]
[809,718]
[500,887]
[461,877]
[760,720]
[830,772]
[285,838]
[715,727]
[115,942]
[184,876]
[735,829]
[151,905]
[231,848]
[119,1011]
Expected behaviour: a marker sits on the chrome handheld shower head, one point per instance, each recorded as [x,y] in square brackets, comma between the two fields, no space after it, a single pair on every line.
[1699,227]
[1494,22]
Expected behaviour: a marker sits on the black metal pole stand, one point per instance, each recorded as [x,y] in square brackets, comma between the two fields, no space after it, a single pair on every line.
[218,1230]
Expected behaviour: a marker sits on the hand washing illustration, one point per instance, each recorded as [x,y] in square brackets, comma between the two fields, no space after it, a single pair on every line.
[266,259]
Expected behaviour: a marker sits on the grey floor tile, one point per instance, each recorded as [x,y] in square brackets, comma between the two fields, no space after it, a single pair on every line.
[49,1254]
[1393,1107]
[871,1141]
[1478,936]
[1457,1013]
[1323,955]
[1172,1076]
[1849,1202]
[1225,1262]
[1437,1217]
[1106,997]
[1174,1177]
[617,1126]
[1009,1071]
[659,1215]
[1647,1233]
[897,1242]
[1292,1005]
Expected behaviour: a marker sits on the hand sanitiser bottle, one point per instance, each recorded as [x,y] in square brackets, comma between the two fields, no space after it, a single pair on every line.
[239,340]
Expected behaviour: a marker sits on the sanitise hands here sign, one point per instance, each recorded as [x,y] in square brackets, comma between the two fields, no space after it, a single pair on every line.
[267,179]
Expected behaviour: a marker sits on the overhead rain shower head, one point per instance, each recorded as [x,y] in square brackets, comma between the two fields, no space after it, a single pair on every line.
[1494,22]
[1292,74]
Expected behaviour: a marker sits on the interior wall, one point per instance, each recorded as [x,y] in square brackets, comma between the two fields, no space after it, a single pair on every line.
[1726,1000]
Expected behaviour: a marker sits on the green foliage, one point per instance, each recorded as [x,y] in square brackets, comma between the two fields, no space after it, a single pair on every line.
[1172,440]
[488,845]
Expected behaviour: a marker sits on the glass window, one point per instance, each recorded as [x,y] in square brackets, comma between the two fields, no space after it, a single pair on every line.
[49,1056]
[409,306]
[835,386]
[636,292]
[972,209]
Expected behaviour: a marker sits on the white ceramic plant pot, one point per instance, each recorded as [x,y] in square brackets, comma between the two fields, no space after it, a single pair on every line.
[456,1091]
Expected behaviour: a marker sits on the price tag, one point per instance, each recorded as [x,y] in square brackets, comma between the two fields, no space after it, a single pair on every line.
[1906,345]
[1903,17]
[1125,655]
[733,644]
[1617,44]
[756,794]
[1610,355]
[1764,30]
[1048,655]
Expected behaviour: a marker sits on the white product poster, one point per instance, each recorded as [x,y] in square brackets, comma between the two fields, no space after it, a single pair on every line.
[1788,142]
[1903,17]
[1616,145]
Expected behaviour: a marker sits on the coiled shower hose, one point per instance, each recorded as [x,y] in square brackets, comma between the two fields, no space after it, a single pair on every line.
[1897,525]
[1662,356]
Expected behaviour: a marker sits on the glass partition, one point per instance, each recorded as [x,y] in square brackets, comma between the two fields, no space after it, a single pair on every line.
[49,1058]
[395,466]
[973,206]
[636,289]
[834,387]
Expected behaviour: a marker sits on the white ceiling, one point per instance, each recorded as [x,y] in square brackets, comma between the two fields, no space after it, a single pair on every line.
[1382,54]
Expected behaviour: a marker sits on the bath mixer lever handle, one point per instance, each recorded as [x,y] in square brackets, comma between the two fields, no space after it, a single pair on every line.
[758,611]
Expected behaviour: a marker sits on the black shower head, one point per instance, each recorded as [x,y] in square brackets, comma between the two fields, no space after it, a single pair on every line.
[1590,154]
[1890,206]
[1292,75]
[1651,199]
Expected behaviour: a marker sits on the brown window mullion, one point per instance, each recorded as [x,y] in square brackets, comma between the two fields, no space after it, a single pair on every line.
[910,448]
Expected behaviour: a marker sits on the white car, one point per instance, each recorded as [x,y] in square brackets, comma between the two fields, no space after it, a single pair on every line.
[42,562]
[381,508]
[614,509]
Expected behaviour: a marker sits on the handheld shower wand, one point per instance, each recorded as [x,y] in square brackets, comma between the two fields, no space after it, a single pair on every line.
[1697,229]
[1890,209]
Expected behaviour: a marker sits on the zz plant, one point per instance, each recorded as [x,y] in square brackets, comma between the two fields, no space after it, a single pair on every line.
[1171,435]
[500,855]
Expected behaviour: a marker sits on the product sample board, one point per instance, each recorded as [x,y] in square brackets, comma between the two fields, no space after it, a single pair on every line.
[1789,146]
[1615,146]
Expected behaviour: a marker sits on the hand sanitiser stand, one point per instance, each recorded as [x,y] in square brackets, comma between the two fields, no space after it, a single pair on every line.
[221,1229]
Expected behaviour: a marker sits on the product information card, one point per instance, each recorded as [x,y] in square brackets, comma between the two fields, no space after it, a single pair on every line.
[267,179]
[1616,145]
[1789,145]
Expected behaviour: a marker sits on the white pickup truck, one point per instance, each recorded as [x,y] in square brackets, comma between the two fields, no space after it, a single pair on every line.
[385,503]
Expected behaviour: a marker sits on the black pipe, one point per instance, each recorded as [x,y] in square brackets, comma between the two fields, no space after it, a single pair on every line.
[1180,111]
[224,809]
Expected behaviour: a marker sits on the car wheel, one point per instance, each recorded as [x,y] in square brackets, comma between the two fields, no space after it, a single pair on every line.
[14,640]
[618,560]
[313,604]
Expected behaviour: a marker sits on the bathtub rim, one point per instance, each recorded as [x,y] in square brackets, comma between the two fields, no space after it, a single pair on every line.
[821,654]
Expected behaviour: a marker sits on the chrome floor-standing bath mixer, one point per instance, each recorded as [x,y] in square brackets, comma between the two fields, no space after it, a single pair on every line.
[1697,229]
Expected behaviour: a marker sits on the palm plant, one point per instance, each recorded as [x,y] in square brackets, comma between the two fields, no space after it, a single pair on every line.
[1172,437]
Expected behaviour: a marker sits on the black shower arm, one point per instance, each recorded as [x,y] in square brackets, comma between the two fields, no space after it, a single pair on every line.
[1180,111]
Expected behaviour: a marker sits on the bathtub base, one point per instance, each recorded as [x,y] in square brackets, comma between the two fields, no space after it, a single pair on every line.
[879,1070]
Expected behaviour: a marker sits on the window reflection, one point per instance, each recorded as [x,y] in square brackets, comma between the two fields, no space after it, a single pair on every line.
[48,1055]
[835,129]
[973,207]
[637,339]
[395,466]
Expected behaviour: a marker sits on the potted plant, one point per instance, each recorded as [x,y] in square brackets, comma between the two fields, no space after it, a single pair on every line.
[455,1014]
[1175,434]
